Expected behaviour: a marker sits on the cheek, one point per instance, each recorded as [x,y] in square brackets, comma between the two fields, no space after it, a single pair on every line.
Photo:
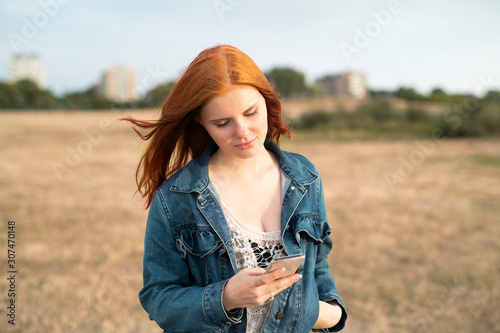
[264,124]
[218,135]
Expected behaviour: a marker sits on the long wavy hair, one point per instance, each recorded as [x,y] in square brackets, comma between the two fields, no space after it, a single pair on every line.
[176,137]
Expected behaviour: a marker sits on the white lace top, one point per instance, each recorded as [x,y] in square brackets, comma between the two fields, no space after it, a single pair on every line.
[254,248]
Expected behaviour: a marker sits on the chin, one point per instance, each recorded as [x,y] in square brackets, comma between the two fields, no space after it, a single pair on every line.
[247,155]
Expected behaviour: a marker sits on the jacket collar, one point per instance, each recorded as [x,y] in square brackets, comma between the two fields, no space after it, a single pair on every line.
[194,176]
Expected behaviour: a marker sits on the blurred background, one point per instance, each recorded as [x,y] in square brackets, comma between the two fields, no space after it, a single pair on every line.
[396,102]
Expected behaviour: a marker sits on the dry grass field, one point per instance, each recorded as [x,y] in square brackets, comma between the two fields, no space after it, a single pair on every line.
[416,227]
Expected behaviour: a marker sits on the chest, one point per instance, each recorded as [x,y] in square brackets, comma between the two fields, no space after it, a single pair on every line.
[257,204]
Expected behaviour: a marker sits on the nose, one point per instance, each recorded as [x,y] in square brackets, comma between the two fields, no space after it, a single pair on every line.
[241,130]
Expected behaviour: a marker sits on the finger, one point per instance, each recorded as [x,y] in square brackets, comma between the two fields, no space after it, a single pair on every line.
[267,278]
[279,285]
[274,288]
[253,271]
[274,275]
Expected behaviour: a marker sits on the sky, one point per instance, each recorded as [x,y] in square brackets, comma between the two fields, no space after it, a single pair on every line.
[424,44]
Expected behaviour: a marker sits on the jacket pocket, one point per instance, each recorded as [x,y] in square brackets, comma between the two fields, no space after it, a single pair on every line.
[308,227]
[200,247]
[199,241]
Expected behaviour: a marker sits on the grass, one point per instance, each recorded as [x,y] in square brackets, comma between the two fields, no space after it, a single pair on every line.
[420,255]
[487,160]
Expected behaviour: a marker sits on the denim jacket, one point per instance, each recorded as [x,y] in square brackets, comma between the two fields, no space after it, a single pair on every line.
[189,254]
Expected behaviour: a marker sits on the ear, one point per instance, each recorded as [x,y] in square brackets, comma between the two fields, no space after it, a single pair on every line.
[197,117]
[198,120]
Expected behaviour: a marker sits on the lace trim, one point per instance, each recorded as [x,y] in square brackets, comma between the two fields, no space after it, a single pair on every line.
[261,237]
[254,248]
[256,317]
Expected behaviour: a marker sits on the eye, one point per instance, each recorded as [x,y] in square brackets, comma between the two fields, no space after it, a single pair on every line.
[253,113]
[222,124]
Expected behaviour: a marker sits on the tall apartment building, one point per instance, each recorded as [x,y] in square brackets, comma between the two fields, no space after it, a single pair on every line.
[118,84]
[348,84]
[27,66]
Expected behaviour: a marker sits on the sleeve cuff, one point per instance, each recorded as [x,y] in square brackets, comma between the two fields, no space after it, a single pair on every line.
[341,324]
[212,305]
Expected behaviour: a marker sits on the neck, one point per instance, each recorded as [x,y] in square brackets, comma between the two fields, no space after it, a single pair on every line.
[243,169]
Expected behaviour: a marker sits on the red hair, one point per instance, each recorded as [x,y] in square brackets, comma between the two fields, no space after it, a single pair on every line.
[177,137]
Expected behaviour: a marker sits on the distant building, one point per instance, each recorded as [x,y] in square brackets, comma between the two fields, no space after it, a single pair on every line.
[348,84]
[24,66]
[118,84]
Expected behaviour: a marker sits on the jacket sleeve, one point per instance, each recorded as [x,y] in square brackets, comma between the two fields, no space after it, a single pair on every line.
[326,284]
[167,294]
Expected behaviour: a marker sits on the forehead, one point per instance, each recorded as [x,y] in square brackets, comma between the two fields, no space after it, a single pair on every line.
[238,99]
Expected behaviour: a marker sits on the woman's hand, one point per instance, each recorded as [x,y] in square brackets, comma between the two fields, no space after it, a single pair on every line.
[253,286]
[329,315]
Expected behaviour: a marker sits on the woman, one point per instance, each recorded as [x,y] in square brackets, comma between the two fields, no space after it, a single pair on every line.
[223,201]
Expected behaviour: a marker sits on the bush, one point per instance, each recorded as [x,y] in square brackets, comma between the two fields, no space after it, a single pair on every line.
[313,120]
[364,116]
[416,115]
[474,119]
[484,119]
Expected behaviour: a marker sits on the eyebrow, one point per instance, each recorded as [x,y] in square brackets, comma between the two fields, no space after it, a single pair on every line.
[226,118]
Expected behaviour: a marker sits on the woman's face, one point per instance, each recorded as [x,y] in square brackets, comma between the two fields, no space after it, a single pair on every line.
[237,122]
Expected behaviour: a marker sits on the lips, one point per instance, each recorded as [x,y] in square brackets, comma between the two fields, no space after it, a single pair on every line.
[246,145]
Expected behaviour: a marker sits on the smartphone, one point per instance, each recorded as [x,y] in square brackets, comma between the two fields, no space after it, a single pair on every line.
[291,264]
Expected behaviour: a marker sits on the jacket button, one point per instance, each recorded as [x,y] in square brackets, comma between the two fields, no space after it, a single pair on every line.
[280,315]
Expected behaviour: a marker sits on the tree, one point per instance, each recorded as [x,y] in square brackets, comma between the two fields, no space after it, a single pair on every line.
[439,95]
[157,95]
[10,97]
[493,96]
[86,100]
[288,82]
[408,94]
[25,94]
[29,91]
